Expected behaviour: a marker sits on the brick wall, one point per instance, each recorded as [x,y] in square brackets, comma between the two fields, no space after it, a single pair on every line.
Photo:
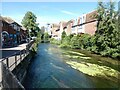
[90,28]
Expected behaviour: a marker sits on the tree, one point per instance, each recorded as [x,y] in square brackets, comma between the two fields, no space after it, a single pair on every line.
[29,22]
[106,36]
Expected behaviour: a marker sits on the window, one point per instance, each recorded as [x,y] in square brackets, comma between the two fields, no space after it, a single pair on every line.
[1,24]
[80,27]
[83,18]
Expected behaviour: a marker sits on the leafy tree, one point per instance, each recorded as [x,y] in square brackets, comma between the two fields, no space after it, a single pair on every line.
[106,36]
[29,22]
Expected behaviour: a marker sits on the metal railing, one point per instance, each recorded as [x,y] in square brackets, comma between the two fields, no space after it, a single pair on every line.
[13,60]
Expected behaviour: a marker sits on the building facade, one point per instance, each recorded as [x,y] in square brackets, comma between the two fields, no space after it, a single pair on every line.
[11,32]
[85,24]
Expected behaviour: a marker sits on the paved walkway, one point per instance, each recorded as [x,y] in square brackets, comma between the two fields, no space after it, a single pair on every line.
[7,52]
[19,47]
[10,52]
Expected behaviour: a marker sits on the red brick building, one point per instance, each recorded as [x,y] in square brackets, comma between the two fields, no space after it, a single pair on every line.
[91,23]
[85,24]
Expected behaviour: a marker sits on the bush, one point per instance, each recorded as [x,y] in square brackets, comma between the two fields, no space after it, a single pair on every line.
[65,42]
[63,35]
[85,40]
[75,42]
[46,37]
[54,41]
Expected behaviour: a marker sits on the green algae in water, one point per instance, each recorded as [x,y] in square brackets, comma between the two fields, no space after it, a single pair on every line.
[77,57]
[94,69]
[72,52]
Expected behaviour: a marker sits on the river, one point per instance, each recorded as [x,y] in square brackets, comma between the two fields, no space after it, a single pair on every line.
[54,67]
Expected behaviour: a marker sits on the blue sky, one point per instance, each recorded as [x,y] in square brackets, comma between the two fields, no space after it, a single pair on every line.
[47,12]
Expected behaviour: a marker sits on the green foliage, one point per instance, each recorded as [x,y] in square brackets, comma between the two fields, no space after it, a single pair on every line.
[63,35]
[46,37]
[29,22]
[85,40]
[106,36]
[75,42]
[54,41]
[65,42]
[38,39]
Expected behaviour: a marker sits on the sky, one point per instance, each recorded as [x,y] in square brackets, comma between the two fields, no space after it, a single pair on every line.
[47,12]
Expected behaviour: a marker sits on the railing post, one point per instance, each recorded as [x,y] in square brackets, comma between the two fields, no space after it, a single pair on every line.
[27,49]
[15,59]
[7,62]
[24,53]
[20,56]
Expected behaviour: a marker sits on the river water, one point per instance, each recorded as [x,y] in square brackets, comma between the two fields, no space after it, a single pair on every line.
[50,68]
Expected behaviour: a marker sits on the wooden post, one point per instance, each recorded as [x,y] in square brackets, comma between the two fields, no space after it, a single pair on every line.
[7,62]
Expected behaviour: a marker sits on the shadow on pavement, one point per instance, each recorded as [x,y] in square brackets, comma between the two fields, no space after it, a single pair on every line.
[8,53]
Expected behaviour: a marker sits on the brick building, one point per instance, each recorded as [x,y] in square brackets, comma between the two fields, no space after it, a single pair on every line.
[11,32]
[91,23]
[86,23]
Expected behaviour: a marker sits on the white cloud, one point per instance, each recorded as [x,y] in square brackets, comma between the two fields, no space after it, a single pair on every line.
[69,13]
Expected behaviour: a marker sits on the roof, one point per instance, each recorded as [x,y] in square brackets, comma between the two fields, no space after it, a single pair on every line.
[23,28]
[55,25]
[64,24]
[91,16]
[10,21]
[1,18]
